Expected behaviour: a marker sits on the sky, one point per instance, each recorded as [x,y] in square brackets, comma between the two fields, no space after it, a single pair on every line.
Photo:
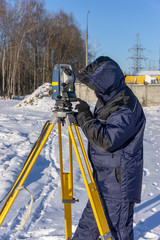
[113,26]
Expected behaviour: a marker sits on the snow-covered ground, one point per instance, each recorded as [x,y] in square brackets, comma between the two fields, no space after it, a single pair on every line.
[21,122]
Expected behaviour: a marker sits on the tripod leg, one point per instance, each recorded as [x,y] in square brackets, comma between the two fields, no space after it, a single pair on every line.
[91,188]
[66,186]
[26,170]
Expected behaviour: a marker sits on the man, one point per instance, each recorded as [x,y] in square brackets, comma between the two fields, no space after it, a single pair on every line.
[115,135]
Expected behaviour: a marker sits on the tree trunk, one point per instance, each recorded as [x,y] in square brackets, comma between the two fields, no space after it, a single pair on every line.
[9,90]
[19,86]
[34,69]
[47,61]
[44,68]
[3,73]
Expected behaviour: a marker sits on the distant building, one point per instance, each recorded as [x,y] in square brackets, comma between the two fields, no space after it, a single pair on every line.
[143,77]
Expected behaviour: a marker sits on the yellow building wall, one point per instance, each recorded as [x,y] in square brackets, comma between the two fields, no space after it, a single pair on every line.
[137,79]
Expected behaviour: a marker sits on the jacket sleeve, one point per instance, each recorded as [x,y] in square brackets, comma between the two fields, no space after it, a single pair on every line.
[112,134]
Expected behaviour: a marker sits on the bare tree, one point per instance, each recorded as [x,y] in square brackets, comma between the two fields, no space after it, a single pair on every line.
[31,42]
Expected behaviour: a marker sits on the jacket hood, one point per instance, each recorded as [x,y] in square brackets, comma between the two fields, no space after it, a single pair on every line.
[105,77]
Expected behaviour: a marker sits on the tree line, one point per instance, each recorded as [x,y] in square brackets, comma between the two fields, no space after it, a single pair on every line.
[32,41]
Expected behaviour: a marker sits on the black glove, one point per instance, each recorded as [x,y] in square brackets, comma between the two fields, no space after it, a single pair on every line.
[82,106]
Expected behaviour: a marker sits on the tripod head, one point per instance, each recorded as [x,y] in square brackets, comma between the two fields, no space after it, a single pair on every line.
[63,110]
[63,105]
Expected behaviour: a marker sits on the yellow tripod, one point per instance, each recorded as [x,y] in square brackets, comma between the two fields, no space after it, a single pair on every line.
[61,117]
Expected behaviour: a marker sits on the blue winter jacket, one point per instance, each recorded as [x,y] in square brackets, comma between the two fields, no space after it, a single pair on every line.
[114,131]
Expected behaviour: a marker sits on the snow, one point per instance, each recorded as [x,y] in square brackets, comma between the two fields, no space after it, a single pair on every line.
[21,122]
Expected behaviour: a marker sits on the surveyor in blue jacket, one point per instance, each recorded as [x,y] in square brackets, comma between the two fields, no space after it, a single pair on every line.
[115,148]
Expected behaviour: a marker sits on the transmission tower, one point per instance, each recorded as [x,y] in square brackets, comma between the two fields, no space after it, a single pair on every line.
[137,55]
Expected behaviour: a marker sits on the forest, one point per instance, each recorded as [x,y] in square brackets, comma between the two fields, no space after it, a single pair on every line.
[32,41]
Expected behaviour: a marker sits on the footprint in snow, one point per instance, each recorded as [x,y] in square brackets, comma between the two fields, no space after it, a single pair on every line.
[150,235]
[150,194]
[146,172]
[155,183]
[154,210]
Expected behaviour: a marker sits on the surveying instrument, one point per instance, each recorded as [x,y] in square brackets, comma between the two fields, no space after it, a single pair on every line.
[63,92]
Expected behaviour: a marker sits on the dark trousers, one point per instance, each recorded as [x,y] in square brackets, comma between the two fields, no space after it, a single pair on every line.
[119,216]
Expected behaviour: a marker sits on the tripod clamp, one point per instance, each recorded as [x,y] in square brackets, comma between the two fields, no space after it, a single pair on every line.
[70,201]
